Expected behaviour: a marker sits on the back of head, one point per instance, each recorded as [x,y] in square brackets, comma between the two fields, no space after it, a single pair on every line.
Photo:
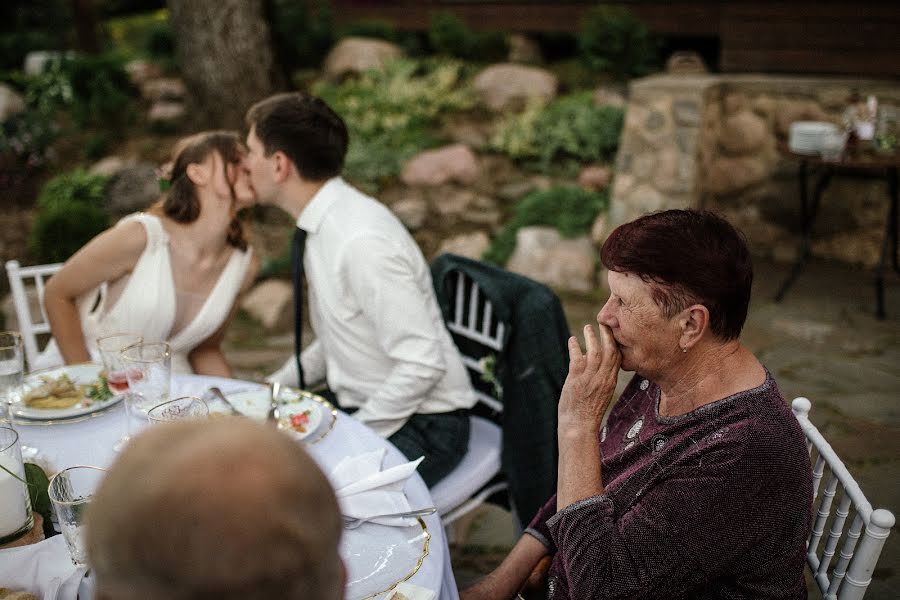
[689,256]
[226,509]
[305,129]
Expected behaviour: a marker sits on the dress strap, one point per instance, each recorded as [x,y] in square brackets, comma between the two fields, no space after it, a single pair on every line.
[156,233]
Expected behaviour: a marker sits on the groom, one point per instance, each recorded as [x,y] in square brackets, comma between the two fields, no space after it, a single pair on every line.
[381,344]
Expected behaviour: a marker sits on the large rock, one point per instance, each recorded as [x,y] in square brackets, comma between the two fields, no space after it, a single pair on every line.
[686,62]
[610,96]
[471,245]
[140,71]
[165,111]
[788,111]
[727,175]
[743,133]
[109,166]
[594,178]
[509,86]
[357,55]
[134,189]
[523,49]
[164,88]
[411,211]
[11,103]
[272,304]
[455,163]
[565,264]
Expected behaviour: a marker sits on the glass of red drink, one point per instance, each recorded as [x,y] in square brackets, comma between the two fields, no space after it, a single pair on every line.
[110,347]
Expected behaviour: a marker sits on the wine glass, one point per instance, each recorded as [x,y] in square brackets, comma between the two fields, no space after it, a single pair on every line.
[179,409]
[110,347]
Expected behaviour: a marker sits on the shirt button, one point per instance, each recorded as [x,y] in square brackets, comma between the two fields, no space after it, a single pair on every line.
[644,384]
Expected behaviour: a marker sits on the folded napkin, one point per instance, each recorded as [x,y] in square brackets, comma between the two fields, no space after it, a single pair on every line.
[408,591]
[43,569]
[363,489]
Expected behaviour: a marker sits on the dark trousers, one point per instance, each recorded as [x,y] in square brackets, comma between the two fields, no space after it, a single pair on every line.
[442,438]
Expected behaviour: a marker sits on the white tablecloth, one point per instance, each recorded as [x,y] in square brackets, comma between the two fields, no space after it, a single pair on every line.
[90,442]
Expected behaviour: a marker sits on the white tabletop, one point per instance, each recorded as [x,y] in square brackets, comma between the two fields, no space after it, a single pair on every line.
[90,442]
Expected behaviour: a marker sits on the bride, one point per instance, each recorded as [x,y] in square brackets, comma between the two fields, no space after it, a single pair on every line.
[172,273]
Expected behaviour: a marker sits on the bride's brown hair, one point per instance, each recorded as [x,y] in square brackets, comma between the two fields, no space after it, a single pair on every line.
[180,201]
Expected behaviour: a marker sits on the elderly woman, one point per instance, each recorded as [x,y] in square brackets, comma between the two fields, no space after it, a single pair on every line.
[699,483]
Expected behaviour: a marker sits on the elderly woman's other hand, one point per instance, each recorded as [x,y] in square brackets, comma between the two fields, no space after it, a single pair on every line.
[591,381]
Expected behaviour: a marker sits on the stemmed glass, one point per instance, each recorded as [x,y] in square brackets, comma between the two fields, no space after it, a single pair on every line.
[148,367]
[179,409]
[12,370]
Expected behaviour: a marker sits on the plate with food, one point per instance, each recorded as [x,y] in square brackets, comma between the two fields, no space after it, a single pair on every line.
[299,413]
[64,393]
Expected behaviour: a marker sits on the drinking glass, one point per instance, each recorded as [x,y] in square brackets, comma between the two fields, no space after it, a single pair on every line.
[148,368]
[110,347]
[15,506]
[186,407]
[12,371]
[70,493]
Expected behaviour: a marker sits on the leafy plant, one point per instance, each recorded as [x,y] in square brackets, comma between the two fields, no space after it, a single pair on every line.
[28,137]
[303,31]
[135,35]
[448,35]
[570,210]
[391,113]
[569,128]
[612,40]
[70,213]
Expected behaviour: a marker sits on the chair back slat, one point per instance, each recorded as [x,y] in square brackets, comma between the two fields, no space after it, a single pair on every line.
[851,574]
[30,325]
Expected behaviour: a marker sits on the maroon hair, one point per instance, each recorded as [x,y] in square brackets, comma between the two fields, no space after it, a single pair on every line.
[688,257]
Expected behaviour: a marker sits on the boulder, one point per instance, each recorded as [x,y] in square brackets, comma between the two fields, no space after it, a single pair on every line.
[354,55]
[166,112]
[108,167]
[454,163]
[140,71]
[471,245]
[594,178]
[523,49]
[11,102]
[508,86]
[727,175]
[599,229]
[609,96]
[134,189]
[412,212]
[272,304]
[686,62]
[743,132]
[565,264]
[788,111]
[164,88]
[36,61]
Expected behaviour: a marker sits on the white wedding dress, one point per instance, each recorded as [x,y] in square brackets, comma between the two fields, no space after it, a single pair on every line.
[148,303]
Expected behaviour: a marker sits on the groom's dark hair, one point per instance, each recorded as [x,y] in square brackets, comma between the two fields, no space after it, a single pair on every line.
[305,128]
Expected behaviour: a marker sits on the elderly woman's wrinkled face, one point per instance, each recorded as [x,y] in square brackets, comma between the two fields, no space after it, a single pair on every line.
[646,338]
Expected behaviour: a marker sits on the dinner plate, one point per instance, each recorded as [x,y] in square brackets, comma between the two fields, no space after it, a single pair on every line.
[299,414]
[378,557]
[81,374]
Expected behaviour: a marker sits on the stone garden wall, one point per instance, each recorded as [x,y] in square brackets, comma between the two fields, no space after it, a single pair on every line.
[710,141]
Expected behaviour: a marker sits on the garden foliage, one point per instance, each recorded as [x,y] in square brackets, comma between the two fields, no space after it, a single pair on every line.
[570,210]
[612,40]
[303,32]
[70,212]
[391,113]
[570,128]
[448,35]
[145,35]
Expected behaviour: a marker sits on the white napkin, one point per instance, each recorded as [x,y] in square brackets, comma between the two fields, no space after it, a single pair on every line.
[363,489]
[44,569]
[408,591]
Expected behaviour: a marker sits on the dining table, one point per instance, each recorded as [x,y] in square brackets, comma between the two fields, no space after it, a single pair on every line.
[91,438]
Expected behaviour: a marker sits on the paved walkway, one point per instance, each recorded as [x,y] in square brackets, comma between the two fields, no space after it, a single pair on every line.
[822,342]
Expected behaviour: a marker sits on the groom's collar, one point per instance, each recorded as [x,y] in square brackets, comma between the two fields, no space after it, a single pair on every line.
[314,212]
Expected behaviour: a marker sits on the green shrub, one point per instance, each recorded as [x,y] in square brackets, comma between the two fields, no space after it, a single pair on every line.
[29,26]
[96,146]
[303,32]
[391,113]
[159,44]
[28,136]
[136,35]
[70,213]
[612,40]
[569,128]
[371,28]
[570,210]
[449,36]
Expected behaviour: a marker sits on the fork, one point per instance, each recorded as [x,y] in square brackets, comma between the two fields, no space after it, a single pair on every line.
[354,522]
[273,415]
[218,394]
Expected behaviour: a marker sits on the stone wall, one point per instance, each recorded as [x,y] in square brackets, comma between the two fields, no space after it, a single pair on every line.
[710,141]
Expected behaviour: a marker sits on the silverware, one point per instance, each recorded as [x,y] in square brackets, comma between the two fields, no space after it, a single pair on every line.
[273,415]
[354,522]
[218,394]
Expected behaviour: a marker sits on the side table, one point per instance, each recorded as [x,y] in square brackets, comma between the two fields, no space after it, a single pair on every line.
[878,166]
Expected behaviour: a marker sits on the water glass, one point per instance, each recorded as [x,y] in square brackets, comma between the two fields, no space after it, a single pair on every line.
[12,371]
[70,493]
[148,368]
[186,407]
[110,347]
[15,506]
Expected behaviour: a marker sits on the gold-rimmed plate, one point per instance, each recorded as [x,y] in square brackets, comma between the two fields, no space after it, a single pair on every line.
[81,375]
[378,558]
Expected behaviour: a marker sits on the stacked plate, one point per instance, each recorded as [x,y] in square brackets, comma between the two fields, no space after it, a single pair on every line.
[807,137]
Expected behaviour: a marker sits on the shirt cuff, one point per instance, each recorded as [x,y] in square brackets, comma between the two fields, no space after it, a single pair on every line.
[540,537]
[602,502]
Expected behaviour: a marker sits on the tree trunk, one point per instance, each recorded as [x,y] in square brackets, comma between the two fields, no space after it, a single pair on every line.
[224,50]
[85,26]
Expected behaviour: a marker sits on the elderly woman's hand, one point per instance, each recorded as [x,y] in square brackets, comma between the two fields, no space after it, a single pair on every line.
[591,381]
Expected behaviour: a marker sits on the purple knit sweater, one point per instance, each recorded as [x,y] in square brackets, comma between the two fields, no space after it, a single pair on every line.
[716,503]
